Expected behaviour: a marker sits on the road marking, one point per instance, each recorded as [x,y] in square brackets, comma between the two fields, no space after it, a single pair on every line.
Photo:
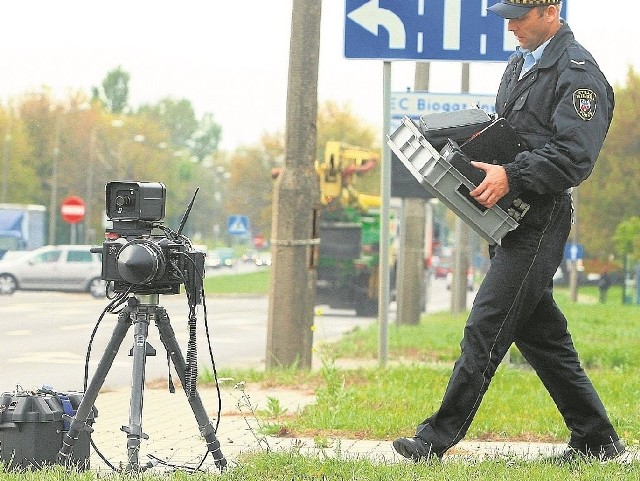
[19,332]
[55,357]
[87,326]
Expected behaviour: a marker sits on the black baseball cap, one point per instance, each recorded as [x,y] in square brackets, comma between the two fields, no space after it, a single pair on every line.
[511,9]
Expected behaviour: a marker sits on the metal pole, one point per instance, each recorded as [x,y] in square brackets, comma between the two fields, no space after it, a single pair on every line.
[385,190]
[6,156]
[410,277]
[90,173]
[460,263]
[53,201]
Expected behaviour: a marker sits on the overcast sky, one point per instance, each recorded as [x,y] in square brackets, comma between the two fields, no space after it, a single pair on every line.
[230,58]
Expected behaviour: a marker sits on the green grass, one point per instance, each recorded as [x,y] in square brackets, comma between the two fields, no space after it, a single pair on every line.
[606,336]
[245,283]
[294,466]
[382,403]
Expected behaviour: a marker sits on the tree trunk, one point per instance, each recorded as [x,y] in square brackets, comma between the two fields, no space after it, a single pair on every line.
[296,202]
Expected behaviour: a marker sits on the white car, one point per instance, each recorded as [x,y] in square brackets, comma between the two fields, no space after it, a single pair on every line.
[470,286]
[54,268]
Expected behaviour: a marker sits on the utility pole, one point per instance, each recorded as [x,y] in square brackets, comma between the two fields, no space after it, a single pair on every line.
[410,280]
[461,249]
[296,202]
[53,193]
[6,156]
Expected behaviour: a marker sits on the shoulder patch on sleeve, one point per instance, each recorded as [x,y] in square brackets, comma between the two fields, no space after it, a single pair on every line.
[585,103]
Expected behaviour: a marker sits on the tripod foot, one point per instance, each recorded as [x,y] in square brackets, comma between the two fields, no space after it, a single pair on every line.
[213,446]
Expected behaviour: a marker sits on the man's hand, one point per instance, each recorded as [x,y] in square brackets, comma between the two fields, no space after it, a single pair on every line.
[494,186]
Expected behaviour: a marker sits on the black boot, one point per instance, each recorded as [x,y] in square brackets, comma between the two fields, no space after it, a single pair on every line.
[603,452]
[415,449]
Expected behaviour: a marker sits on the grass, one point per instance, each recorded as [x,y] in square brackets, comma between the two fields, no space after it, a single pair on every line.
[606,336]
[293,465]
[244,283]
[391,401]
[382,403]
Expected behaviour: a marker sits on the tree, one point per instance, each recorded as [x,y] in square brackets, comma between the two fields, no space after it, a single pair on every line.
[250,186]
[611,194]
[204,142]
[116,90]
[20,183]
[177,116]
[295,203]
[339,123]
[627,238]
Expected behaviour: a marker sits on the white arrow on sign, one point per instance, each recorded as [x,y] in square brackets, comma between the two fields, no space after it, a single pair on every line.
[370,16]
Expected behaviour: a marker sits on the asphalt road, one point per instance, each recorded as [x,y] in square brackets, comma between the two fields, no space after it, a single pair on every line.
[45,336]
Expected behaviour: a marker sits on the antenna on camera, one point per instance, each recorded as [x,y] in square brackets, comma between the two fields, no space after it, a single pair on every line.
[186,213]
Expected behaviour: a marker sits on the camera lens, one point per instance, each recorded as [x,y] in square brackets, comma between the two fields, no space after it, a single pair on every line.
[141,262]
[123,200]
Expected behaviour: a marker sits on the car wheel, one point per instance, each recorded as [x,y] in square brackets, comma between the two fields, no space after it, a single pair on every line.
[8,284]
[98,287]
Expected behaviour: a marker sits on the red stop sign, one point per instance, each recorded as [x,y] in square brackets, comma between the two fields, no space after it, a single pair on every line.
[72,209]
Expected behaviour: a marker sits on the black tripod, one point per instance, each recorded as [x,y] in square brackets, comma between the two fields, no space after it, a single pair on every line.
[140,314]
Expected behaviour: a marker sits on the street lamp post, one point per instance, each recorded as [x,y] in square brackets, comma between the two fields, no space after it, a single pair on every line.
[53,200]
[6,152]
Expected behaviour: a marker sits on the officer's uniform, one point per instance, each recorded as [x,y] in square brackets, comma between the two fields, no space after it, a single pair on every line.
[561,109]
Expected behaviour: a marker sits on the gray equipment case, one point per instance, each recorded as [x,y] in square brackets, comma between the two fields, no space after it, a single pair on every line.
[435,172]
[32,425]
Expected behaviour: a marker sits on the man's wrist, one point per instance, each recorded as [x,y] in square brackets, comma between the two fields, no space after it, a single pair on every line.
[513,177]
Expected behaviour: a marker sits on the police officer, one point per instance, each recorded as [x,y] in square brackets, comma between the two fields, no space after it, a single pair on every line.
[556,98]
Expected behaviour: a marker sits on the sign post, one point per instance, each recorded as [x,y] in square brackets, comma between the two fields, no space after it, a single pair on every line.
[73,210]
[238,225]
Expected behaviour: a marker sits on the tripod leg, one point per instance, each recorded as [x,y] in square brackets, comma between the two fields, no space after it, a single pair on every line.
[79,422]
[168,338]
[142,316]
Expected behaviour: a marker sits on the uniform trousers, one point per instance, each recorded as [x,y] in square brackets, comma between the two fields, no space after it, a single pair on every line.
[515,305]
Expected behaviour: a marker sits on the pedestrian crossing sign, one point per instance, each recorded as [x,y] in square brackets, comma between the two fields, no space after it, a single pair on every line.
[238,225]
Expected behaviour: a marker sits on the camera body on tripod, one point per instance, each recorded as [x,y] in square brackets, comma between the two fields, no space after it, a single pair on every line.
[151,265]
[138,261]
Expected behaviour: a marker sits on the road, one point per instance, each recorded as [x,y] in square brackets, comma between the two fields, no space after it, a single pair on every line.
[46,336]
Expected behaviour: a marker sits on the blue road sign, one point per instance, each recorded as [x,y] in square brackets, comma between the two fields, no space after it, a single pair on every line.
[573,251]
[238,225]
[459,30]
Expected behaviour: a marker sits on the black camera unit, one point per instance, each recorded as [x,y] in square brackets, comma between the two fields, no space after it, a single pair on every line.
[136,260]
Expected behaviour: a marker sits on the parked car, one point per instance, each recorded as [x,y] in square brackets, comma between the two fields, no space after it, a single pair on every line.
[54,268]
[470,286]
[263,259]
[222,257]
[442,267]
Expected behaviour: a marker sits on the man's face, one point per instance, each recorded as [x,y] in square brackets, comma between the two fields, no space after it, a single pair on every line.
[535,27]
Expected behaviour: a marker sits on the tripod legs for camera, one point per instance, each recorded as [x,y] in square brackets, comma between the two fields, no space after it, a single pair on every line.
[140,315]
